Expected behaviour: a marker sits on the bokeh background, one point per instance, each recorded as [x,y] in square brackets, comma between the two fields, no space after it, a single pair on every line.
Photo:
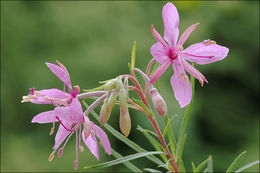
[94,41]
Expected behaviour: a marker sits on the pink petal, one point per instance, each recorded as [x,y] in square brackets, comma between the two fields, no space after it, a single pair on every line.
[60,73]
[76,110]
[158,37]
[194,72]
[159,71]
[63,113]
[159,53]
[54,93]
[51,93]
[171,23]
[62,134]
[103,138]
[91,143]
[45,117]
[186,34]
[204,54]
[181,85]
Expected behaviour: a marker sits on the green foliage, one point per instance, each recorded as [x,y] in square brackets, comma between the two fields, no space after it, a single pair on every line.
[122,160]
[235,163]
[126,163]
[247,166]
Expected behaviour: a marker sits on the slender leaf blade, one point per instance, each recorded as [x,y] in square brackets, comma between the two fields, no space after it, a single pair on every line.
[235,163]
[210,164]
[193,167]
[133,56]
[152,170]
[128,164]
[122,160]
[247,166]
[202,165]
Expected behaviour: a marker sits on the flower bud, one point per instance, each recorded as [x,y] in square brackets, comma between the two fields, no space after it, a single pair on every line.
[104,113]
[123,98]
[158,102]
[110,85]
[111,100]
[125,122]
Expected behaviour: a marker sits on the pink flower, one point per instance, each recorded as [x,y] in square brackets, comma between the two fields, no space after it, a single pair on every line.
[173,53]
[69,114]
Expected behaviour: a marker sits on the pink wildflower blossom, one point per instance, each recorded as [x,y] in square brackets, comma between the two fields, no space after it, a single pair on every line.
[69,114]
[172,53]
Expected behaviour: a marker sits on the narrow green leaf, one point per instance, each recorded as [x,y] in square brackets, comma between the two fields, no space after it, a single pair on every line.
[105,81]
[180,147]
[122,160]
[181,166]
[95,89]
[146,131]
[157,146]
[247,166]
[205,170]
[133,56]
[188,109]
[142,105]
[181,142]
[171,136]
[152,170]
[193,167]
[235,163]
[202,165]
[129,66]
[125,140]
[128,164]
[168,125]
[210,164]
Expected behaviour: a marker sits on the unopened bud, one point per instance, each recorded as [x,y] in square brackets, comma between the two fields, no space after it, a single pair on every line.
[123,98]
[158,102]
[111,100]
[110,85]
[125,122]
[104,113]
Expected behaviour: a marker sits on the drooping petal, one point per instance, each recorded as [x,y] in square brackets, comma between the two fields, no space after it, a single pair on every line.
[171,24]
[181,85]
[76,110]
[45,117]
[60,73]
[186,34]
[159,71]
[62,134]
[204,53]
[91,143]
[159,53]
[103,138]
[194,72]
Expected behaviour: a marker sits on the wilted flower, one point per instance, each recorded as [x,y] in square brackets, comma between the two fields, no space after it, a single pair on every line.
[173,53]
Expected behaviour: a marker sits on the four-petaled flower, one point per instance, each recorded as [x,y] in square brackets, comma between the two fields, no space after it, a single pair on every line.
[172,53]
[69,114]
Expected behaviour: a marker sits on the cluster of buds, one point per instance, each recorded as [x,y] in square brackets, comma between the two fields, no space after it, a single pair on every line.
[116,88]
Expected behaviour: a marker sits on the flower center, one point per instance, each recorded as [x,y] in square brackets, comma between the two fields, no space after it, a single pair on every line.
[172,54]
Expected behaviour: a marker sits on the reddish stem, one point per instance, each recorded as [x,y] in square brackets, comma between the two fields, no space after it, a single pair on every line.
[158,132]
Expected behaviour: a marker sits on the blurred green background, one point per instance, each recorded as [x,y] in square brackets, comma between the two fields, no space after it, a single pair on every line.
[94,41]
